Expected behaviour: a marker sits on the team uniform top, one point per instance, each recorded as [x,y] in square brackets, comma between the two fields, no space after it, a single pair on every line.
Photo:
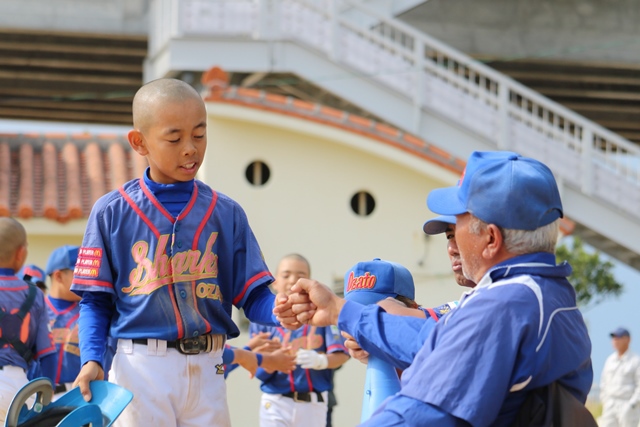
[63,322]
[35,329]
[519,329]
[323,340]
[170,277]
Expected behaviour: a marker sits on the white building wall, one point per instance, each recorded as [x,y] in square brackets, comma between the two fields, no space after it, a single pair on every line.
[305,208]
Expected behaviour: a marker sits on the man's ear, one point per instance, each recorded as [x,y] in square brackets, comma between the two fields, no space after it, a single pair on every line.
[494,241]
[136,141]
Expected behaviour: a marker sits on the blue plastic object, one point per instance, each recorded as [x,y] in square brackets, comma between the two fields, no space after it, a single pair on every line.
[70,410]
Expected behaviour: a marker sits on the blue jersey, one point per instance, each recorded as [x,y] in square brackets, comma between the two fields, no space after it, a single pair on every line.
[323,340]
[34,331]
[170,277]
[63,318]
[518,330]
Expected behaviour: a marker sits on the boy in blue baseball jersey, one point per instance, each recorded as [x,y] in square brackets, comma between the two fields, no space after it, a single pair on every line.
[63,309]
[24,325]
[299,397]
[163,260]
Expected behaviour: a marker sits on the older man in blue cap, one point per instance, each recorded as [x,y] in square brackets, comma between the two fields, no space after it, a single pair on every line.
[518,330]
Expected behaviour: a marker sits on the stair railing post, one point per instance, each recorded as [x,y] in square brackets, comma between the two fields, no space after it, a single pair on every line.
[587,160]
[419,92]
[503,115]
[334,46]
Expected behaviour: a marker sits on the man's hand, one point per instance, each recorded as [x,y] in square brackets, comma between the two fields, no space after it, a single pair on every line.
[354,349]
[284,314]
[315,303]
[261,343]
[90,371]
[280,360]
[310,359]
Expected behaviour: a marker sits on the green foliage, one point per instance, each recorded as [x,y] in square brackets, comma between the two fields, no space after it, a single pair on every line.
[592,277]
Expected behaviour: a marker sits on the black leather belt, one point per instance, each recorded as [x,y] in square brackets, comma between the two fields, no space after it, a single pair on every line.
[60,388]
[196,345]
[304,396]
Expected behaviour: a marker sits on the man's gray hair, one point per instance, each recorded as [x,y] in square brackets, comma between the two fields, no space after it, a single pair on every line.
[542,239]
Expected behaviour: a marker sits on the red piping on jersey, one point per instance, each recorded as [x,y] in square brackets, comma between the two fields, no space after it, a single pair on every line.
[90,282]
[21,288]
[9,278]
[46,350]
[51,306]
[249,283]
[432,313]
[155,201]
[336,346]
[61,352]
[138,211]
[177,313]
[194,196]
[305,331]
[194,245]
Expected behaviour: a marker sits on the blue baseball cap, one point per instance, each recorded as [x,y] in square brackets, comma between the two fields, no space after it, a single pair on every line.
[33,271]
[62,258]
[438,224]
[368,282]
[619,333]
[502,188]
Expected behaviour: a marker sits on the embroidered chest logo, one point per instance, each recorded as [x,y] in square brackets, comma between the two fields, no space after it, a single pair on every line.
[186,266]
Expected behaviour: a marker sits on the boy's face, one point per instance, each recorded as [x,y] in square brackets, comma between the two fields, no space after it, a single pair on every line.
[289,271]
[175,141]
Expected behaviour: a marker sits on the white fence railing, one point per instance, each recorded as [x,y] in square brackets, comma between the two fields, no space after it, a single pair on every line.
[430,74]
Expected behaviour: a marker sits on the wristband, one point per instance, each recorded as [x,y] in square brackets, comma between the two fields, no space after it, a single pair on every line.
[259,357]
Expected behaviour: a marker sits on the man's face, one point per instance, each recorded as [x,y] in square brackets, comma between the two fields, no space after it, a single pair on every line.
[289,271]
[620,344]
[454,257]
[469,247]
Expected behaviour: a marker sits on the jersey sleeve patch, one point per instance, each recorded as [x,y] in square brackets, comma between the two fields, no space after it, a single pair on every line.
[89,262]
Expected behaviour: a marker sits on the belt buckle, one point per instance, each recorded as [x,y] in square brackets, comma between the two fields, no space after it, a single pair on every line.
[189,346]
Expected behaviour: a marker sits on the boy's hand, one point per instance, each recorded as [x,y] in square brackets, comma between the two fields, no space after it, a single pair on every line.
[280,360]
[354,349]
[90,371]
[261,343]
[246,359]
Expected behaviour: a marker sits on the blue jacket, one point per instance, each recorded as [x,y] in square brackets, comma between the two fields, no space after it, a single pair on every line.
[519,329]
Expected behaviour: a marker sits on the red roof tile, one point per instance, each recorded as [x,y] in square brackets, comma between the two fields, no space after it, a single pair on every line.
[60,176]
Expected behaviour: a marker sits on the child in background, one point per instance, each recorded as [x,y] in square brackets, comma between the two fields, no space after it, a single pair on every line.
[299,397]
[24,324]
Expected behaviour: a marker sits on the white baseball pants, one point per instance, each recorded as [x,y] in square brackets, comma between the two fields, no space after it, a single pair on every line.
[12,379]
[277,410]
[170,389]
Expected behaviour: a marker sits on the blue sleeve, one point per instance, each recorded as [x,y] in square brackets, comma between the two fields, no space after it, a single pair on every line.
[259,306]
[48,365]
[384,335]
[228,355]
[407,412]
[96,309]
[264,376]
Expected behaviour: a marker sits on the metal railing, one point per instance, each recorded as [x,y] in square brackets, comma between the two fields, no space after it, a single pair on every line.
[432,75]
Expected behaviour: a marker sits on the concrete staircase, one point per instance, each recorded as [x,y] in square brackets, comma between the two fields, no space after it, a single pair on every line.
[416,83]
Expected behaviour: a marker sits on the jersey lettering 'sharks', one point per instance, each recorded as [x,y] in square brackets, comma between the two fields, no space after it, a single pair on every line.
[185,266]
[367,281]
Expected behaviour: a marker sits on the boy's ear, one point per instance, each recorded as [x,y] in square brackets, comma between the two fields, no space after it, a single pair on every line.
[136,140]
